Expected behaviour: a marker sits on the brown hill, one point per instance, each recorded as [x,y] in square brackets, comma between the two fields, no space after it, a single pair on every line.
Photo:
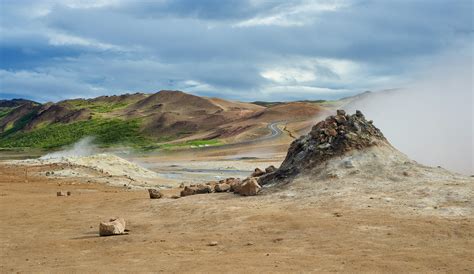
[166,115]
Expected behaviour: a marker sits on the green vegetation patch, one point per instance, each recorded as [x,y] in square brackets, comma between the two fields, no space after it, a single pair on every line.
[99,107]
[4,112]
[106,132]
[187,144]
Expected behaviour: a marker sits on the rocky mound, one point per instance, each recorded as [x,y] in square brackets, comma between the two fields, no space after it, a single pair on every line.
[335,136]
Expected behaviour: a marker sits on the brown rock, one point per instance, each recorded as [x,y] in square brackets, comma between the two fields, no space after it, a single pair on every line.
[115,226]
[202,189]
[235,186]
[258,172]
[222,187]
[188,190]
[341,112]
[154,193]
[331,132]
[270,169]
[60,193]
[250,187]
[340,119]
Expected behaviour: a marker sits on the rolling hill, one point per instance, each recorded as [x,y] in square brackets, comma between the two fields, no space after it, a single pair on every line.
[142,120]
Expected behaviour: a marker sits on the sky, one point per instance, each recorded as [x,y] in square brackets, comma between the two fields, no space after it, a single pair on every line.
[236,49]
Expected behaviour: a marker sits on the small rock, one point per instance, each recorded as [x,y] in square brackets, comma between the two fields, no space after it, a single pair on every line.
[250,187]
[235,186]
[115,226]
[341,112]
[270,169]
[188,190]
[337,214]
[202,189]
[340,119]
[60,193]
[348,164]
[68,193]
[181,185]
[175,196]
[257,172]
[406,174]
[154,193]
[223,187]
[213,243]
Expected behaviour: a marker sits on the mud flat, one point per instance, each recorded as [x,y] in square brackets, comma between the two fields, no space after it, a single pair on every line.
[266,233]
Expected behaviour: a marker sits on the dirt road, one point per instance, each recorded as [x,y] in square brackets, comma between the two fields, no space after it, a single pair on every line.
[263,234]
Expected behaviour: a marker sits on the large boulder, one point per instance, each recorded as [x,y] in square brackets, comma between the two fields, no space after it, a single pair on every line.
[115,226]
[250,187]
[154,193]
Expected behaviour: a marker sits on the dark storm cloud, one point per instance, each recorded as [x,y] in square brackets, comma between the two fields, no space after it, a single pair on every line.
[235,49]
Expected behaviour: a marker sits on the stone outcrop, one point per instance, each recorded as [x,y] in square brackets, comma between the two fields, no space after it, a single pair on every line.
[115,226]
[334,136]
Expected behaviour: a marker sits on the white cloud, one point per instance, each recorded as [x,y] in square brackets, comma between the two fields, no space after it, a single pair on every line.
[293,15]
[288,75]
[61,39]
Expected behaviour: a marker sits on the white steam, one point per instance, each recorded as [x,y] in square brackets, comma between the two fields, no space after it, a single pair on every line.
[432,120]
[83,147]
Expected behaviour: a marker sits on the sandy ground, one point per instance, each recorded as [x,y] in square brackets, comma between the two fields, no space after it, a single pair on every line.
[264,234]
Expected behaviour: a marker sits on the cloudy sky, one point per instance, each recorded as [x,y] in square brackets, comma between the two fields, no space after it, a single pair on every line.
[239,49]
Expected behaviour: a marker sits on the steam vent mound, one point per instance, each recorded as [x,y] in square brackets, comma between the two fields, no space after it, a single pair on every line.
[335,136]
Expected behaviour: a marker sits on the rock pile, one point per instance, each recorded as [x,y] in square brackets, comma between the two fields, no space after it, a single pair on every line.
[334,136]
[247,187]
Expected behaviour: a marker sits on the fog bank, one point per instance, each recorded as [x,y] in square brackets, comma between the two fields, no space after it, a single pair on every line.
[432,119]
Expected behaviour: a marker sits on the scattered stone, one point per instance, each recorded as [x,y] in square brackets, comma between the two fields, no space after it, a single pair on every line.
[250,187]
[249,243]
[257,172]
[115,226]
[181,185]
[175,196]
[222,187]
[406,174]
[270,169]
[213,243]
[47,173]
[60,193]
[337,214]
[68,193]
[154,193]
